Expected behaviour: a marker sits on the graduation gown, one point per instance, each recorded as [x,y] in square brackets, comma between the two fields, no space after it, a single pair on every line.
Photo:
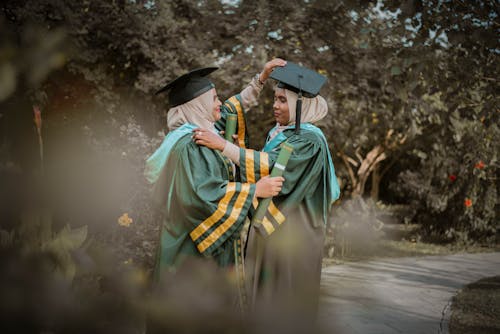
[203,208]
[284,253]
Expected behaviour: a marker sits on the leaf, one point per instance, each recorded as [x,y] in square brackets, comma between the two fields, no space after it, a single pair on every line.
[67,239]
[420,154]
[76,237]
[395,70]
[412,84]
[401,91]
[363,45]
[415,129]
[62,245]
[458,128]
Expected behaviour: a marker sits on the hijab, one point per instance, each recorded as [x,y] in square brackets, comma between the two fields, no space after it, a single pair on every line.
[313,110]
[197,111]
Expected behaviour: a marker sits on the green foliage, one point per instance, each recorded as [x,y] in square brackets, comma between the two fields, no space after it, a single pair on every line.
[441,97]
[34,235]
[451,173]
[462,169]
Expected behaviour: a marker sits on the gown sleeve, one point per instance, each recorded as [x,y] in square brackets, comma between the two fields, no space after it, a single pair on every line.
[239,105]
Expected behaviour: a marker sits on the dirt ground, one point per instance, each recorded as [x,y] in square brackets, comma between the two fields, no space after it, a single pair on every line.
[476,308]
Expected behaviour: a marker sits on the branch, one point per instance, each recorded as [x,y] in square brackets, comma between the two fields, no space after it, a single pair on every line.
[358,155]
[376,155]
[346,163]
[352,161]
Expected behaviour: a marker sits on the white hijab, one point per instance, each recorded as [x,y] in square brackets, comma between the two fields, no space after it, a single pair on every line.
[313,110]
[197,111]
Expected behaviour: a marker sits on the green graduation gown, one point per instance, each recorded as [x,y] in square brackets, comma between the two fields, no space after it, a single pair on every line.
[284,253]
[203,209]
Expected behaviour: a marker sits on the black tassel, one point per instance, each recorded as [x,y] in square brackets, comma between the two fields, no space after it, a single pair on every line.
[298,113]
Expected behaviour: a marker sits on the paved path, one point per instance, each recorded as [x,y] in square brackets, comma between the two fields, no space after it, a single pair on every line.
[403,295]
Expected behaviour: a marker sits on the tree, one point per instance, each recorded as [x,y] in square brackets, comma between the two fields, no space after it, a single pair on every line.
[450,175]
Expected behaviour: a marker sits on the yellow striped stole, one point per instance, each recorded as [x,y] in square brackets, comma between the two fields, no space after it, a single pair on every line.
[241,120]
[235,213]
[218,213]
[249,166]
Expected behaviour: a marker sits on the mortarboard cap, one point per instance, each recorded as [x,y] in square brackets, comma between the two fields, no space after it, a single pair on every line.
[301,80]
[188,86]
[298,78]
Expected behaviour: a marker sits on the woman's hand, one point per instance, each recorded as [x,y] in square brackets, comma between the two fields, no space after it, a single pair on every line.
[269,186]
[269,67]
[209,139]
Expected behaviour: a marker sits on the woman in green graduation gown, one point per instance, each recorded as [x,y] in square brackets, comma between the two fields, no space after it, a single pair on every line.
[203,206]
[284,252]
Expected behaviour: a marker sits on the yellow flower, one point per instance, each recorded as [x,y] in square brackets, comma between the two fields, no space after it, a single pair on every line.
[125,220]
[322,71]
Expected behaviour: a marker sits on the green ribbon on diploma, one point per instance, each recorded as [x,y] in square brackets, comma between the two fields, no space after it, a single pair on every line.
[231,120]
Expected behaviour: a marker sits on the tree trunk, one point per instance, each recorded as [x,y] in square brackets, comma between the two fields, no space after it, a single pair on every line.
[368,165]
[375,182]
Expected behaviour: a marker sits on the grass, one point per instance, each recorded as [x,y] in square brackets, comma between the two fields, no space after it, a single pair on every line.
[398,240]
[476,308]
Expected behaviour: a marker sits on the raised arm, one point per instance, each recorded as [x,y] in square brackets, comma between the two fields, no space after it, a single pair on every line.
[250,94]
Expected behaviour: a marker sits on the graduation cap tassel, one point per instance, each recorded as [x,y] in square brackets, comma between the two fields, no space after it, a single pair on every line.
[298,113]
[298,108]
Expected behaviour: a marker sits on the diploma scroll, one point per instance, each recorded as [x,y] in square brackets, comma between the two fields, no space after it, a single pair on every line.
[231,120]
[278,170]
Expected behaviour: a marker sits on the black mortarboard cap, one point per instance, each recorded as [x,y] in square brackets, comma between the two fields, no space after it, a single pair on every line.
[301,80]
[188,86]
